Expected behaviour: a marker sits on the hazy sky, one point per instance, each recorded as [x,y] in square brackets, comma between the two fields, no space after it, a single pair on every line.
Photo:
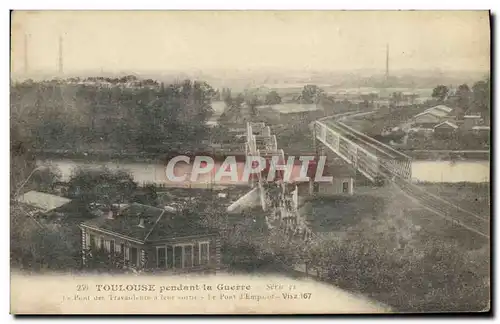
[329,40]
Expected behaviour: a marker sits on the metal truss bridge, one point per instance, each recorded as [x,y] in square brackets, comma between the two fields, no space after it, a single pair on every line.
[378,161]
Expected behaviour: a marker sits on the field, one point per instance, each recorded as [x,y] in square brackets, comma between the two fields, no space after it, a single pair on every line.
[471,197]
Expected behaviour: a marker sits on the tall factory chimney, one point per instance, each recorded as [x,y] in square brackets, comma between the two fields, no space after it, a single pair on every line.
[26,64]
[387,63]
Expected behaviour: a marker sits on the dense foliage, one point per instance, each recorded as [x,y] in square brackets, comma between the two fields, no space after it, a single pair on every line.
[98,114]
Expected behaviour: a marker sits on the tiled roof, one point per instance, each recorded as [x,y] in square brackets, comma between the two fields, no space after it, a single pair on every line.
[158,223]
[438,111]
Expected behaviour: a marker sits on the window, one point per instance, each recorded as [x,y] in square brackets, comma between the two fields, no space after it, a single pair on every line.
[161,256]
[112,246]
[107,245]
[133,256]
[101,243]
[345,187]
[204,253]
[183,255]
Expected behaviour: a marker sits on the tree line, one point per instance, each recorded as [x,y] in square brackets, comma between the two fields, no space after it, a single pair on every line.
[468,100]
[62,114]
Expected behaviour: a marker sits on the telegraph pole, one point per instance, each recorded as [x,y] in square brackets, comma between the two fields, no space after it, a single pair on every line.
[387,63]
[26,64]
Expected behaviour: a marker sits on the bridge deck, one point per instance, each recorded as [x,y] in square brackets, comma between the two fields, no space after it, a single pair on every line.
[391,161]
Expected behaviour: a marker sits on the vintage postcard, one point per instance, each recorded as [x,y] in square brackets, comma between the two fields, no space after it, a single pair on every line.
[249,162]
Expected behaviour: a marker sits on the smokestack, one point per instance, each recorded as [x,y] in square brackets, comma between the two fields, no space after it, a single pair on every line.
[387,63]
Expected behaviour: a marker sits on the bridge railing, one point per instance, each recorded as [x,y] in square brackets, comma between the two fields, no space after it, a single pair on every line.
[392,162]
[363,160]
[368,139]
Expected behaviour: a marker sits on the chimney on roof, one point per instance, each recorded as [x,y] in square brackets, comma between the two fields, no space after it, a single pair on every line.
[141,221]
[111,214]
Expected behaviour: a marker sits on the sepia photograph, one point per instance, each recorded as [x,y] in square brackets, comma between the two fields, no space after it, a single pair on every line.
[250,162]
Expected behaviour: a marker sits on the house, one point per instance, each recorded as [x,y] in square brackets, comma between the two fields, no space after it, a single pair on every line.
[152,239]
[470,121]
[432,116]
[445,128]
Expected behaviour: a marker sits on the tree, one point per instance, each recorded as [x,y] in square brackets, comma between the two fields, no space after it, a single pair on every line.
[463,98]
[273,98]
[396,98]
[101,186]
[34,248]
[252,102]
[440,93]
[226,96]
[481,98]
[127,112]
[22,161]
[233,110]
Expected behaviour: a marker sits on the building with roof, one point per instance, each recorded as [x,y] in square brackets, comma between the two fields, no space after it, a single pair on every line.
[471,120]
[153,239]
[432,116]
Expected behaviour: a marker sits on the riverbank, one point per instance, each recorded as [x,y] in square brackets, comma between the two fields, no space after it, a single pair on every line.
[429,171]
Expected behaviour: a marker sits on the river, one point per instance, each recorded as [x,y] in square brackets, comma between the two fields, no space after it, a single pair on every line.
[451,171]
[143,173]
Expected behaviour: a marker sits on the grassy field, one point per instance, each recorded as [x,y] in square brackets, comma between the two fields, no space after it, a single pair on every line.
[469,196]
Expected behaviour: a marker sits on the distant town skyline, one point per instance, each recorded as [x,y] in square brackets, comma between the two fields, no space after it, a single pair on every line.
[286,40]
